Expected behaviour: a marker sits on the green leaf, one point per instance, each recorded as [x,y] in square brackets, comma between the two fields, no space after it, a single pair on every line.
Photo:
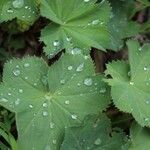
[46,100]
[145,2]
[24,10]
[139,138]
[96,134]
[130,83]
[120,25]
[76,23]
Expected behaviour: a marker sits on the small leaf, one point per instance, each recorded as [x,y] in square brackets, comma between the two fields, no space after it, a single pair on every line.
[46,100]
[24,10]
[94,135]
[120,25]
[130,83]
[76,24]
[139,138]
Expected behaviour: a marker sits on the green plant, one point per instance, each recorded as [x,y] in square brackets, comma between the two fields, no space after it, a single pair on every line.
[53,99]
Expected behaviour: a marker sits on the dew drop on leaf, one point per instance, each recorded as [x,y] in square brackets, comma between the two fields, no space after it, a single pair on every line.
[26,65]
[70,68]
[68,39]
[67,102]
[4,100]
[74,116]
[98,141]
[31,106]
[80,67]
[52,125]
[95,22]
[16,72]
[86,1]
[17,101]
[146,119]
[20,90]
[147,102]
[45,113]
[45,105]
[88,81]
[75,51]
[54,141]
[62,81]
[102,90]
[56,43]
[18,3]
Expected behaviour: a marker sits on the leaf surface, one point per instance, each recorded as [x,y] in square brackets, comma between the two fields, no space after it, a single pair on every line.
[47,100]
[75,23]
[96,134]
[131,82]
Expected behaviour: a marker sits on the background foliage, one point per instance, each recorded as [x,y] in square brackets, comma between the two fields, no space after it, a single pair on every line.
[75,74]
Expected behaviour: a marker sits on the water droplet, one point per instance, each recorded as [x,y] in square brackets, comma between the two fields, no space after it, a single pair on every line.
[9,94]
[131,83]
[26,78]
[140,48]
[31,106]
[74,116]
[44,80]
[4,100]
[102,90]
[147,102]
[54,141]
[62,81]
[17,101]
[76,51]
[10,11]
[20,90]
[68,39]
[56,43]
[70,68]
[16,72]
[35,84]
[78,84]
[129,73]
[52,125]
[86,1]
[98,141]
[146,119]
[18,3]
[67,102]
[95,22]
[80,67]
[45,105]
[45,113]
[26,65]
[88,81]
[145,68]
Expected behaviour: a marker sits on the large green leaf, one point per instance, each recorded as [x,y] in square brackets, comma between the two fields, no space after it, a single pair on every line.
[130,83]
[139,138]
[24,10]
[76,23]
[47,100]
[96,134]
[120,25]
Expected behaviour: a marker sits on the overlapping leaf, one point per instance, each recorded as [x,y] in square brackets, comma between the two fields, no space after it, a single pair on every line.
[130,83]
[24,10]
[120,25]
[76,23]
[96,134]
[139,138]
[47,100]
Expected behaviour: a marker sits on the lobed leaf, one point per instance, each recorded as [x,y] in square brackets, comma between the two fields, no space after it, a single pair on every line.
[48,100]
[130,83]
[75,24]
[96,134]
[139,138]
